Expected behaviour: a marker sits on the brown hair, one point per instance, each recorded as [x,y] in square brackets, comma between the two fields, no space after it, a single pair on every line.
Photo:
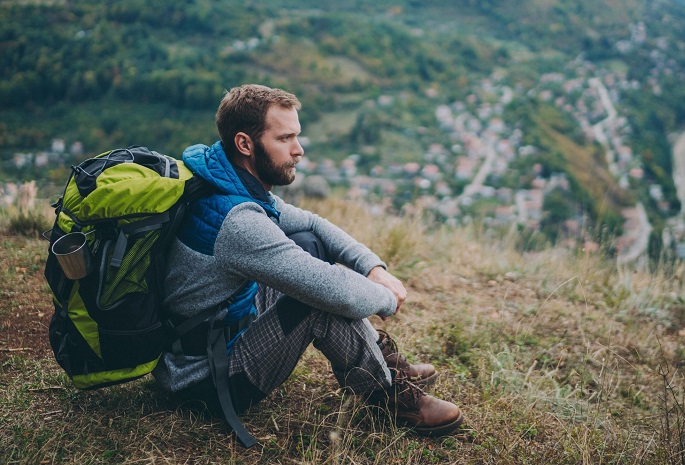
[243,109]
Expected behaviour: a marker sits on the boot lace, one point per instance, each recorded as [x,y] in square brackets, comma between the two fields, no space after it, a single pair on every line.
[386,341]
[406,391]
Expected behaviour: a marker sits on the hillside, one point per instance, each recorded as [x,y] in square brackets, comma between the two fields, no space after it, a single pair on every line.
[554,358]
[552,116]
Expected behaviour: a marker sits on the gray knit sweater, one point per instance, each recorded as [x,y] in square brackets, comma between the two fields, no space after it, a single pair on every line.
[253,247]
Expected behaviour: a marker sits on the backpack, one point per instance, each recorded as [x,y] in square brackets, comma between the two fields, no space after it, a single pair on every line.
[108,327]
[125,206]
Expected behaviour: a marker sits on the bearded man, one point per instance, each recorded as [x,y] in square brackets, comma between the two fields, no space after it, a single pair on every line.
[264,278]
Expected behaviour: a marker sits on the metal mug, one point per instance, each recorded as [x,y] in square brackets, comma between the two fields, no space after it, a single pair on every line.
[73,255]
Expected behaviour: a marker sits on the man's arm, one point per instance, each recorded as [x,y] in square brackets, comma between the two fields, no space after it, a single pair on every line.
[341,247]
[253,247]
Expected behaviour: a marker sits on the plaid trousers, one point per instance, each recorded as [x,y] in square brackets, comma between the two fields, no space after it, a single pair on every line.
[267,353]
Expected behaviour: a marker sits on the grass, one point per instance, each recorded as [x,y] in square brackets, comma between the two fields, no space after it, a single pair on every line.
[554,358]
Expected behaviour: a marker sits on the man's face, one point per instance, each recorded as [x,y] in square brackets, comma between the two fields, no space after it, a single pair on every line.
[278,150]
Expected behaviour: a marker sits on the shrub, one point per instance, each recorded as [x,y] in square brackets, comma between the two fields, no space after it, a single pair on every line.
[28,223]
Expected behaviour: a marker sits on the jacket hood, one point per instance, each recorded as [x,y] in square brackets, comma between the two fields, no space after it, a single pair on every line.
[212,165]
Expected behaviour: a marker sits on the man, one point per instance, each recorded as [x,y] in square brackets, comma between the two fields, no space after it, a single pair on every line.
[242,248]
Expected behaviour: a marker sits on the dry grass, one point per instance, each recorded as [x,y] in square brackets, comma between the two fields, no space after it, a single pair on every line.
[554,357]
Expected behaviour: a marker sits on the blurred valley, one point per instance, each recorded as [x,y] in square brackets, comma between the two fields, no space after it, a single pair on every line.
[563,120]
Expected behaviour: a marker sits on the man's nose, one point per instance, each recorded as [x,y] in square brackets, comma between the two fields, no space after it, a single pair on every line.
[298,149]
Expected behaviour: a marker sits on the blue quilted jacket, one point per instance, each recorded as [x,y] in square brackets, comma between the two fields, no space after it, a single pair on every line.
[203,221]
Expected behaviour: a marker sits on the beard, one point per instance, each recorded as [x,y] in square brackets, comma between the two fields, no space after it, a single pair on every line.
[268,171]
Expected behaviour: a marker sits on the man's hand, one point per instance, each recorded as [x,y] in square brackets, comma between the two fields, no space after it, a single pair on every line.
[380,276]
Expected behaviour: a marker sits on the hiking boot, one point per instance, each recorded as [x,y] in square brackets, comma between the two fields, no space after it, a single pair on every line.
[421,374]
[412,407]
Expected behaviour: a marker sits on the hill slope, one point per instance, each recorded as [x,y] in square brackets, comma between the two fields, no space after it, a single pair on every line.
[554,358]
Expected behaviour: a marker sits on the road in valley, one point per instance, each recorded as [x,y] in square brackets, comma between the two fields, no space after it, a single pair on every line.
[635,239]
[679,169]
[598,129]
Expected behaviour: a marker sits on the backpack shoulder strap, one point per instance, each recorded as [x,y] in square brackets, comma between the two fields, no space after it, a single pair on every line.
[218,363]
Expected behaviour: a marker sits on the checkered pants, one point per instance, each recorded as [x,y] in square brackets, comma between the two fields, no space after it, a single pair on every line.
[270,349]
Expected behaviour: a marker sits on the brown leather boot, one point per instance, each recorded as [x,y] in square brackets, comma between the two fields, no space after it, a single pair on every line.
[421,374]
[412,407]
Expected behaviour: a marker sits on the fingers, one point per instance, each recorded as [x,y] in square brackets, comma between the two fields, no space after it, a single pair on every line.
[380,276]
[401,294]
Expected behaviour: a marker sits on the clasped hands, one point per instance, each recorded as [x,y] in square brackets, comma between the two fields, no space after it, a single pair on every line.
[380,275]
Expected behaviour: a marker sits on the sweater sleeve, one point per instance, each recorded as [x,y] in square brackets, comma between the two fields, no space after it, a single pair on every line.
[253,246]
[341,247]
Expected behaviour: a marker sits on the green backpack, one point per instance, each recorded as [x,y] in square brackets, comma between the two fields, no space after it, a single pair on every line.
[125,205]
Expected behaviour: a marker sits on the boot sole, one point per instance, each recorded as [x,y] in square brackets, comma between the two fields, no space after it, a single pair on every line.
[441,430]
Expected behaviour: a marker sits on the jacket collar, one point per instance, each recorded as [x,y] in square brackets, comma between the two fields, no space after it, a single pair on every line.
[253,186]
[211,164]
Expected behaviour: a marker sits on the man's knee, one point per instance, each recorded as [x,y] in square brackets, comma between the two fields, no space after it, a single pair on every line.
[291,313]
[311,243]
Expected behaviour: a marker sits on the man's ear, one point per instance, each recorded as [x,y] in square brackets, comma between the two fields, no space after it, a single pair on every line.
[243,143]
